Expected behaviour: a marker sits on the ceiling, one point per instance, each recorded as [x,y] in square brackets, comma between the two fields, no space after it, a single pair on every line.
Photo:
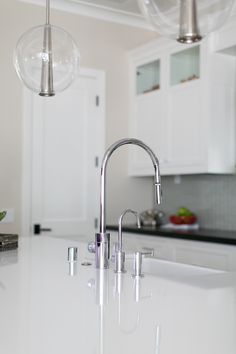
[120,11]
[128,6]
[125,12]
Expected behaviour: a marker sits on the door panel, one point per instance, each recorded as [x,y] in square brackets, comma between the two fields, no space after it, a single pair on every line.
[66,138]
[149,117]
[186,134]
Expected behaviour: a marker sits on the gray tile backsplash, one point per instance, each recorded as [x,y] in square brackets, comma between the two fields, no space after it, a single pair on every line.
[211,197]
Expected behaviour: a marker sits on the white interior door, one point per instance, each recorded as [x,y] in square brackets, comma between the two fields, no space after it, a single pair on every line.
[67,142]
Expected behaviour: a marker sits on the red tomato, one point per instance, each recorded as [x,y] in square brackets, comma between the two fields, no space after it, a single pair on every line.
[175,219]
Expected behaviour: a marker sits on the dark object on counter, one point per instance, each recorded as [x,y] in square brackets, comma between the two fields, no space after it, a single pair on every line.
[8,242]
[152,217]
[204,235]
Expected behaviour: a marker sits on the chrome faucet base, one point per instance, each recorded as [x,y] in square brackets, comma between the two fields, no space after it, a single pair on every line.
[102,250]
[120,262]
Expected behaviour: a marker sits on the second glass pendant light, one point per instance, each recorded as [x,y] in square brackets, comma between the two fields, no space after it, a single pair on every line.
[46,58]
[187,21]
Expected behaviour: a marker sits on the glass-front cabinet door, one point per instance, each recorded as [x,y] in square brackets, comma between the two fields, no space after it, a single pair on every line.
[185,66]
[148,77]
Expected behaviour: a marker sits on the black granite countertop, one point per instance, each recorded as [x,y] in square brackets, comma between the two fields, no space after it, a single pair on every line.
[204,235]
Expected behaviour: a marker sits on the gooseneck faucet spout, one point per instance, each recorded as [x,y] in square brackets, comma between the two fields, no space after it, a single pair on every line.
[102,239]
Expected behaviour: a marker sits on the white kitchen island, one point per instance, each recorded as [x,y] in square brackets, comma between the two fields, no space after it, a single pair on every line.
[50,307]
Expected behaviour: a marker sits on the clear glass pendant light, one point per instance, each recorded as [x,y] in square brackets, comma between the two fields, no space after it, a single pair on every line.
[187,21]
[46,58]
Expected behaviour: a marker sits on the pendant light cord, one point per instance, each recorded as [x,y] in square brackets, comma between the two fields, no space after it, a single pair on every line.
[47,12]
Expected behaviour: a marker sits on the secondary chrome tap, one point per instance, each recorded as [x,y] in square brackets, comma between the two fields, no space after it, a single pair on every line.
[119,253]
[102,239]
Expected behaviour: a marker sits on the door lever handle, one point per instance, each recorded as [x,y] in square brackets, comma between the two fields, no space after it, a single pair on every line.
[38,229]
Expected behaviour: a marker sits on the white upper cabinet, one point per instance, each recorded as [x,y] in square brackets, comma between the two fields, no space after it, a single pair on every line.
[182,104]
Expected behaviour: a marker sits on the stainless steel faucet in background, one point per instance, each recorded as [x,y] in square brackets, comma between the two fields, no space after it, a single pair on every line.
[102,239]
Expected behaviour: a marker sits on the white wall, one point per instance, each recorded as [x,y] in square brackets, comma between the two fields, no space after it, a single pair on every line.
[103,46]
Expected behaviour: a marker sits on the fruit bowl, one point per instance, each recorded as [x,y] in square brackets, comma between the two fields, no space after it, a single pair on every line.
[183,219]
[184,216]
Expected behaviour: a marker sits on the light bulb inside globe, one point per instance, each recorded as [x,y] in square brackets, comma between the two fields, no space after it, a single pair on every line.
[186,21]
[47,86]
[46,59]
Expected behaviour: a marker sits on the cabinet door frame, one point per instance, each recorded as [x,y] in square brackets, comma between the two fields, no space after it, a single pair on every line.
[147,55]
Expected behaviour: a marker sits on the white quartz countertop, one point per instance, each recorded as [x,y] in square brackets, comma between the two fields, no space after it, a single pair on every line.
[48,308]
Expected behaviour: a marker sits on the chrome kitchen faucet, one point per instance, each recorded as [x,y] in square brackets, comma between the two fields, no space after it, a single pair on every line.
[101,247]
